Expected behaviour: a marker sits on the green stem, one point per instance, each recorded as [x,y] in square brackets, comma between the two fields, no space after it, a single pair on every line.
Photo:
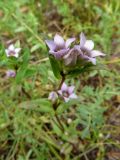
[62,80]
[59,122]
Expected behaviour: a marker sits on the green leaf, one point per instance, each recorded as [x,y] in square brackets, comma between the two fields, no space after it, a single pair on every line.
[79,70]
[35,47]
[64,106]
[30,72]
[85,133]
[56,129]
[23,68]
[26,55]
[55,66]
[21,73]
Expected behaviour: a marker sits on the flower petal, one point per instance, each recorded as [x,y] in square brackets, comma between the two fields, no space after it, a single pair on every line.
[7,52]
[16,55]
[59,92]
[88,59]
[66,99]
[89,45]
[67,59]
[17,50]
[69,41]
[92,60]
[11,47]
[71,89]
[71,57]
[64,87]
[73,96]
[51,44]
[59,41]
[59,54]
[82,39]
[95,53]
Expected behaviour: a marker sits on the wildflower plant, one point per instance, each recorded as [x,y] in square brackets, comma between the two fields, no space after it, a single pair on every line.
[12,60]
[15,59]
[66,60]
[59,96]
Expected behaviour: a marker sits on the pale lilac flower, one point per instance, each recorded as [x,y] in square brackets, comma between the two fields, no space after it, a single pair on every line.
[53,96]
[86,50]
[67,92]
[58,47]
[10,73]
[12,51]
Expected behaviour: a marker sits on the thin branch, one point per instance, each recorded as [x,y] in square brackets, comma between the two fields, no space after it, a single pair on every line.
[62,80]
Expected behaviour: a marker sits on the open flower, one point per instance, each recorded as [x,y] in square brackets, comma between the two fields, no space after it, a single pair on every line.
[53,96]
[12,51]
[86,50]
[58,47]
[10,73]
[67,92]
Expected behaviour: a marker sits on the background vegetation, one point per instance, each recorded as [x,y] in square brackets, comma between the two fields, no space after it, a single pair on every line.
[28,127]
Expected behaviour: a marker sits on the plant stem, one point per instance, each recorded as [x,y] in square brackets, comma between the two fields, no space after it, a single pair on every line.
[55,106]
[59,122]
[62,80]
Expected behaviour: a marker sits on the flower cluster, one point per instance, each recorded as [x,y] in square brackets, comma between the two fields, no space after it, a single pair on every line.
[61,50]
[11,51]
[66,93]
[72,55]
